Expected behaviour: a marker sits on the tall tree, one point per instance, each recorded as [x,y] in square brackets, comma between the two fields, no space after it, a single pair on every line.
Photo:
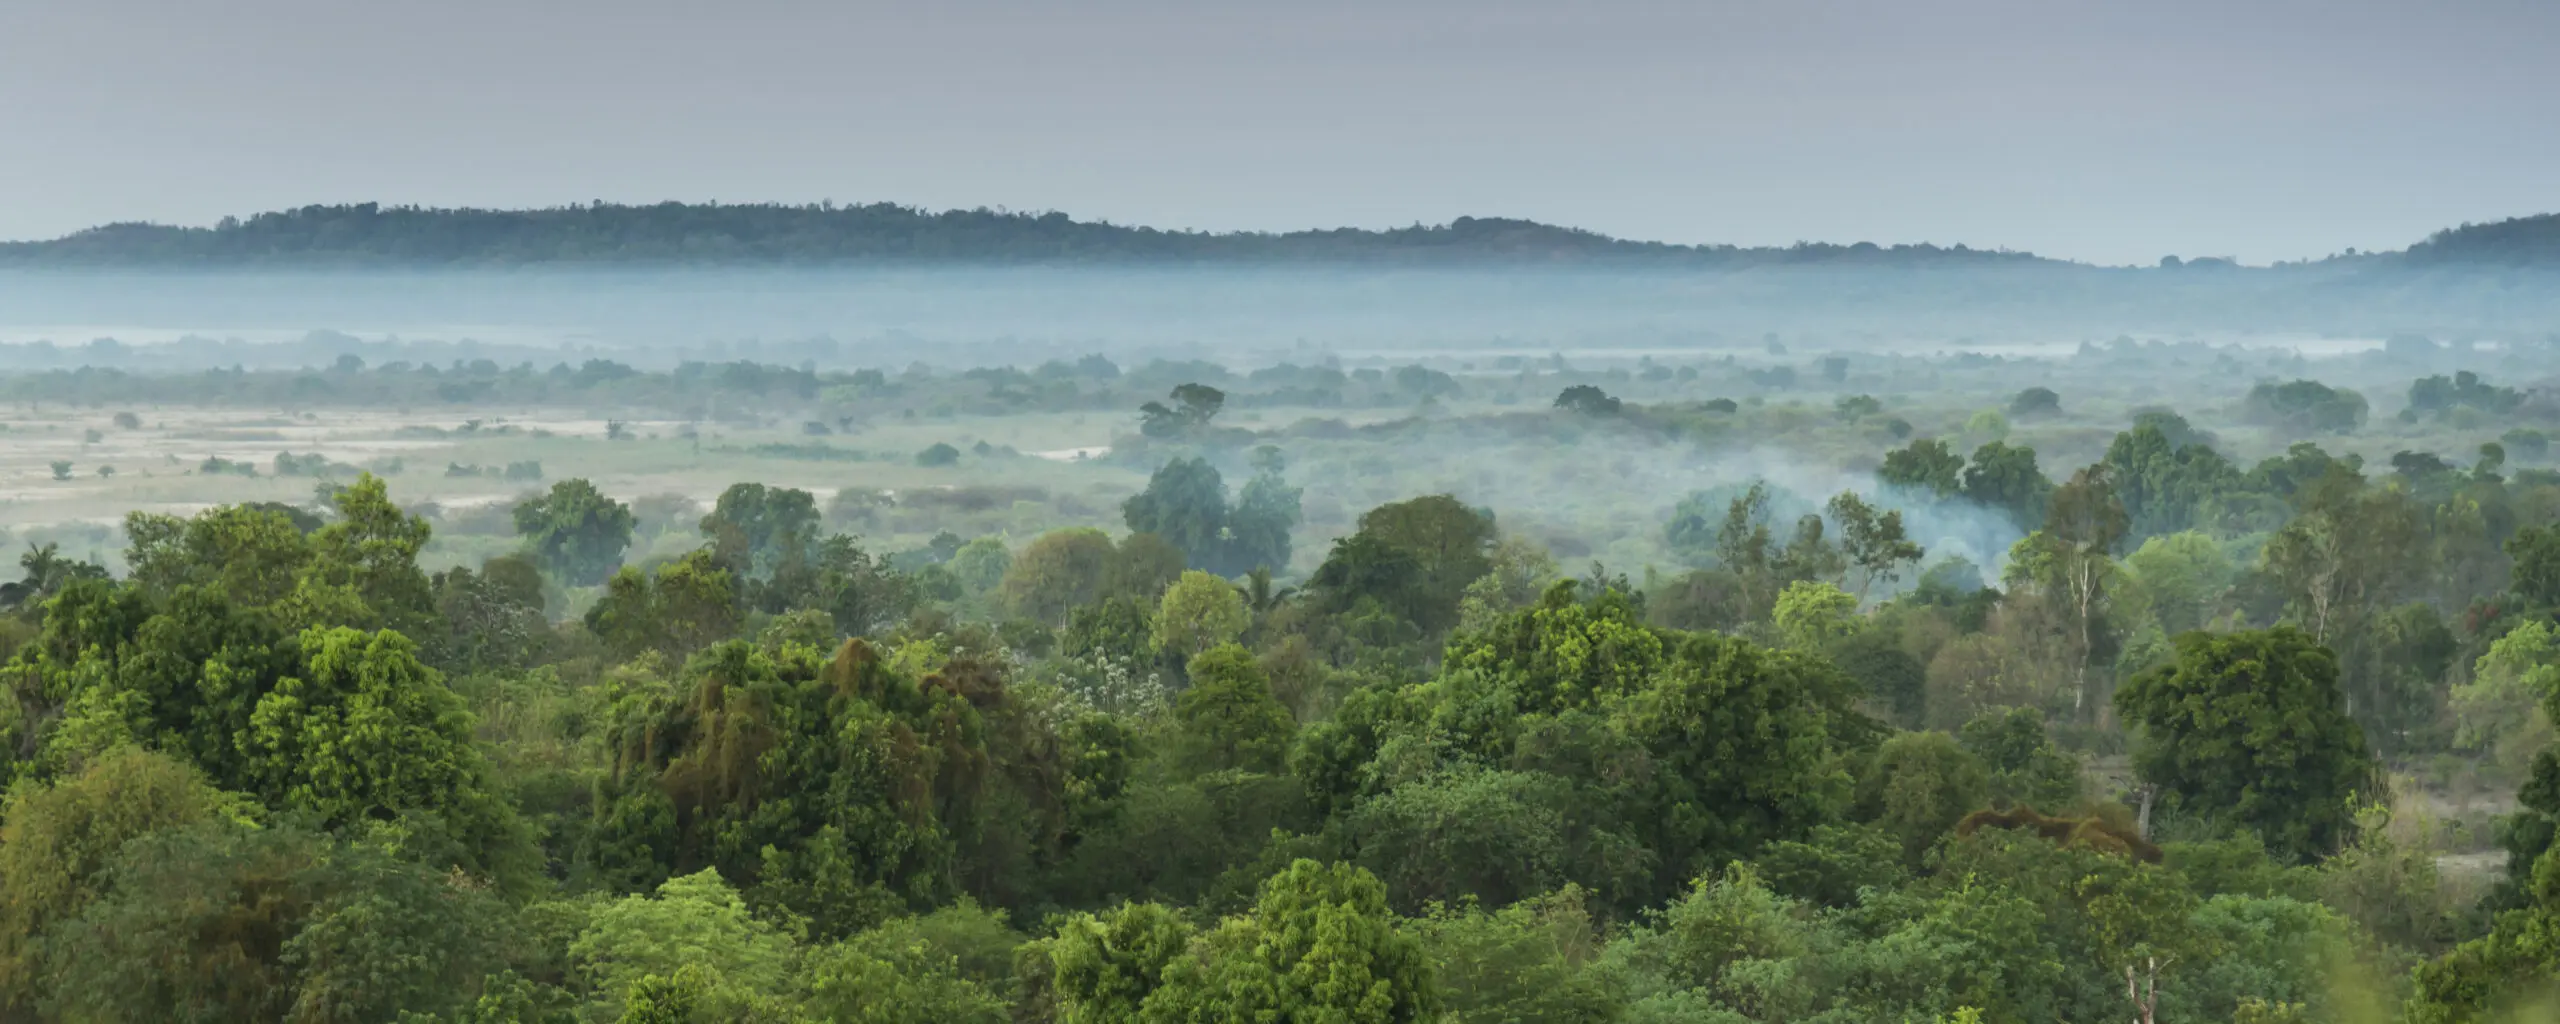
[1264,514]
[1185,502]
[1414,557]
[755,530]
[1874,542]
[576,533]
[1926,465]
[2005,477]
[2252,726]
[2071,563]
[1320,945]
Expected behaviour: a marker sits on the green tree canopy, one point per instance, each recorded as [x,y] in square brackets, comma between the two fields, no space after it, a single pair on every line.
[2252,727]
[575,531]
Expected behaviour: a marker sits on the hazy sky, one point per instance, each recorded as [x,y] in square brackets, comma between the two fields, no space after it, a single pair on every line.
[2113,132]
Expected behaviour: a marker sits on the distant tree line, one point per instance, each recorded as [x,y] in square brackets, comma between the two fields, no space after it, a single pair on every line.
[371,233]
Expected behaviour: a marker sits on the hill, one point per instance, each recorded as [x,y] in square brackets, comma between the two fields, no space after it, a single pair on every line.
[372,234]
[2516,240]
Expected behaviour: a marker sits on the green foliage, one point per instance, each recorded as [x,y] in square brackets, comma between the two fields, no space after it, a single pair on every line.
[2305,405]
[1872,541]
[1834,864]
[2180,577]
[1227,720]
[2536,550]
[366,733]
[575,532]
[755,530]
[1812,616]
[1186,503]
[1059,571]
[980,565]
[1925,466]
[223,923]
[2005,477]
[1531,961]
[2499,711]
[1106,965]
[2251,726]
[1893,682]
[492,619]
[1918,786]
[1119,630]
[1320,944]
[1587,400]
[2166,483]
[1414,559]
[684,606]
[1199,612]
[2024,766]
[1484,835]
[693,921]
[60,840]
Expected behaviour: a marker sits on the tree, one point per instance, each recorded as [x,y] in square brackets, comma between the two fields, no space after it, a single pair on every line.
[493,619]
[1058,571]
[576,533]
[1873,542]
[1531,961]
[1811,616]
[754,529]
[1320,945]
[1105,965]
[2035,402]
[47,572]
[1265,512]
[2305,405]
[2252,726]
[1587,400]
[2498,711]
[223,923]
[1925,466]
[2182,576]
[252,556]
[1415,558]
[686,605]
[2536,550]
[365,733]
[1919,785]
[369,551]
[980,565]
[695,921]
[2025,768]
[2166,476]
[2005,477]
[1185,502]
[1141,567]
[1228,719]
[60,840]
[1199,612]
[2071,560]
[1194,405]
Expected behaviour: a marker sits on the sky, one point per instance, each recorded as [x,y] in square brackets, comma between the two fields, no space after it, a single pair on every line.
[2112,132]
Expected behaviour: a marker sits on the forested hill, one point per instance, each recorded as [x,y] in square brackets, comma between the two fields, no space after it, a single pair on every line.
[370,233]
[2516,240]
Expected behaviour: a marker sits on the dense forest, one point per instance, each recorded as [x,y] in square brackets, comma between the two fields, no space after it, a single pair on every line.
[370,233]
[2172,754]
